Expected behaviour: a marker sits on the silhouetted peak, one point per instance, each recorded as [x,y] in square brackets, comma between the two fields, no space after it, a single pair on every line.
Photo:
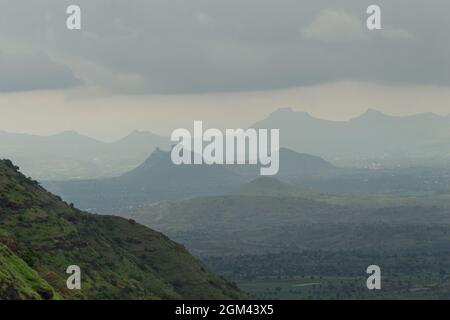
[71,135]
[371,114]
[67,133]
[158,153]
[289,113]
[285,110]
[136,134]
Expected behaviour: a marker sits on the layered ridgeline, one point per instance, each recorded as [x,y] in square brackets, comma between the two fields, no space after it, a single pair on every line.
[158,179]
[40,236]
[371,139]
[69,155]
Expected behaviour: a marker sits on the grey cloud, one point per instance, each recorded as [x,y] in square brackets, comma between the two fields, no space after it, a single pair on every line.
[26,72]
[336,27]
[178,46]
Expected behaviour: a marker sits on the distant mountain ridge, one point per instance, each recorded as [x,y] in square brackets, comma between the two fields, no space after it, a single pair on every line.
[158,179]
[70,155]
[292,163]
[371,137]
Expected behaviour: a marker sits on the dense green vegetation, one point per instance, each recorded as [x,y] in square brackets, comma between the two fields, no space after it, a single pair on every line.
[119,258]
[339,288]
[19,281]
[272,235]
[237,224]
[324,274]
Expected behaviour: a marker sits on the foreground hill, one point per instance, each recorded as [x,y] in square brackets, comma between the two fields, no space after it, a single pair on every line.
[40,236]
[19,281]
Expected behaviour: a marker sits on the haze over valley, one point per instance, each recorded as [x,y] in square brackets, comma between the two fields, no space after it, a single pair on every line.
[344,112]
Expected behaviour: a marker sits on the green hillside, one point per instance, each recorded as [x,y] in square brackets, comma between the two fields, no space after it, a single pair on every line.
[119,258]
[19,281]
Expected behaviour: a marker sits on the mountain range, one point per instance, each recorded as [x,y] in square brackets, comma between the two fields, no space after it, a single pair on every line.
[158,179]
[371,139]
[69,155]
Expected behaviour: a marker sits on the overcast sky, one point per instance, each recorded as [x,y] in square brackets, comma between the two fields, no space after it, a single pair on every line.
[159,64]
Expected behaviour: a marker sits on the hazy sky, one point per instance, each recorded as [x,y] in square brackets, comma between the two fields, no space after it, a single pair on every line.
[159,64]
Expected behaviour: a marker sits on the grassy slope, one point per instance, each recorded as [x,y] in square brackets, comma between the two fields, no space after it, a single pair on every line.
[19,281]
[119,259]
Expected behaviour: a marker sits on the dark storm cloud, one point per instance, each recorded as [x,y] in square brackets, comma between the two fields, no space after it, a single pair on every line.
[178,46]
